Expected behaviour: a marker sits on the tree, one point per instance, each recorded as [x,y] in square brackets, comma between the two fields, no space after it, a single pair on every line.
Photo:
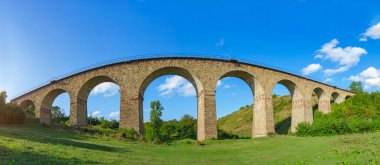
[155,116]
[57,113]
[356,87]
[3,98]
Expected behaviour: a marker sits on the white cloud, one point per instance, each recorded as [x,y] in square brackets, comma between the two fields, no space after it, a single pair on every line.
[176,84]
[345,57]
[328,80]
[372,32]
[311,69]
[219,83]
[363,39]
[187,90]
[355,78]
[220,42]
[330,72]
[95,114]
[223,85]
[370,77]
[226,86]
[114,115]
[107,89]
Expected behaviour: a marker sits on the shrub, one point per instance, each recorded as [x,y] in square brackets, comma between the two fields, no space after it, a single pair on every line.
[11,114]
[359,114]
[128,134]
[224,135]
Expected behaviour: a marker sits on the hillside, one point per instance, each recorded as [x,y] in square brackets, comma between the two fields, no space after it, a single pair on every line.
[240,122]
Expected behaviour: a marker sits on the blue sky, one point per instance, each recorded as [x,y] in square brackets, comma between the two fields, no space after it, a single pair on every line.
[332,41]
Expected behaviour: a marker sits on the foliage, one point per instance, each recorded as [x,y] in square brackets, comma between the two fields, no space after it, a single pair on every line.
[224,135]
[359,114]
[111,124]
[103,122]
[186,128]
[3,98]
[153,133]
[93,120]
[10,113]
[58,114]
[155,116]
[356,87]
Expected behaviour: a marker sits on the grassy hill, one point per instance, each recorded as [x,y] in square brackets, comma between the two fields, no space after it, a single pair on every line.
[240,122]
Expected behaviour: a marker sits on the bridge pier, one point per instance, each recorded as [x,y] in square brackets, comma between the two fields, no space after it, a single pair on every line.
[324,104]
[298,109]
[206,121]
[45,115]
[263,119]
[78,111]
[131,113]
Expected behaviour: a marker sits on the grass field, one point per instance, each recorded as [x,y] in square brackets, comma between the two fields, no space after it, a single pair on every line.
[38,145]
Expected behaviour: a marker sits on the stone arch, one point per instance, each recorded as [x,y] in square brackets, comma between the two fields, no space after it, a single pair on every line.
[248,78]
[347,97]
[323,100]
[171,71]
[335,98]
[47,102]
[78,114]
[298,104]
[26,104]
[258,128]
[201,116]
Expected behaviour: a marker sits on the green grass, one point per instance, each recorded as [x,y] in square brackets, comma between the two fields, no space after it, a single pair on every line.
[34,144]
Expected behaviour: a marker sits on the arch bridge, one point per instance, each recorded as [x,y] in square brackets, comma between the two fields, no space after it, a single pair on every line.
[134,76]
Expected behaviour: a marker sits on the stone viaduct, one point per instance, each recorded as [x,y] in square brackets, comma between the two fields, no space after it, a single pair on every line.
[134,76]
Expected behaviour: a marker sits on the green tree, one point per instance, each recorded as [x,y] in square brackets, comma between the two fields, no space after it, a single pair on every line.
[356,87]
[155,116]
[3,98]
[57,113]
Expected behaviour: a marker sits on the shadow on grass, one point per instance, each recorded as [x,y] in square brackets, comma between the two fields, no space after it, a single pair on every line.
[283,127]
[54,140]
[11,156]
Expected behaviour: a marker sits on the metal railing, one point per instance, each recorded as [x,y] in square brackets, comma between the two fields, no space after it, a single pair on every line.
[162,55]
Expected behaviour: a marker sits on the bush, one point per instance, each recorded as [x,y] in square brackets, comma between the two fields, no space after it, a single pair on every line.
[11,114]
[224,135]
[359,114]
[128,134]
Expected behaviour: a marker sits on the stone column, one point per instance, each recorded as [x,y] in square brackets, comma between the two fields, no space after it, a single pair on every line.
[78,111]
[324,104]
[339,100]
[131,113]
[263,119]
[207,122]
[45,115]
[298,109]
[308,109]
[37,112]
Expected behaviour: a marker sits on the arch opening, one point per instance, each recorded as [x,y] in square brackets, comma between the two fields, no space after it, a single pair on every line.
[176,90]
[347,97]
[320,101]
[55,107]
[29,107]
[282,106]
[98,99]
[335,98]
[234,104]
